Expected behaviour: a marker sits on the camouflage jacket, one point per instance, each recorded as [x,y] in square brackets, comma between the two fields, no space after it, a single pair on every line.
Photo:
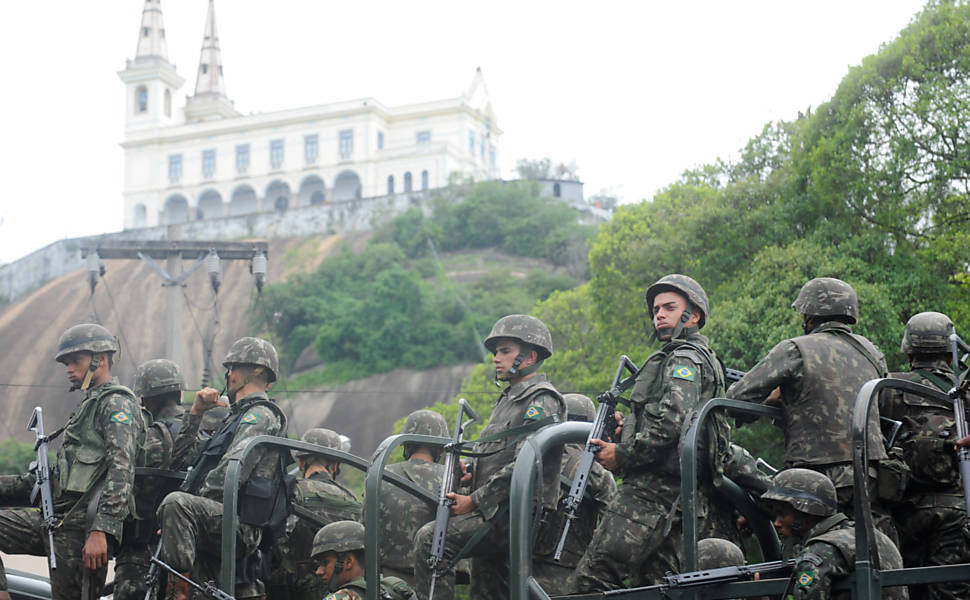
[159,441]
[402,514]
[673,383]
[525,402]
[820,375]
[829,554]
[392,588]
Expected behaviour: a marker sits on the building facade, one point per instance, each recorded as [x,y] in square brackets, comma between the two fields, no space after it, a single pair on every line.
[206,160]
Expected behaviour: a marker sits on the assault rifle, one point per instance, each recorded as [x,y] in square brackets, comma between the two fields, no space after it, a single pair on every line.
[42,472]
[604,427]
[208,589]
[452,454]
[957,394]
[151,578]
[727,574]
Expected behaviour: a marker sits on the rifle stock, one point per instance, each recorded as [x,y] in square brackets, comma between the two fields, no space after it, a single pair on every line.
[958,394]
[42,486]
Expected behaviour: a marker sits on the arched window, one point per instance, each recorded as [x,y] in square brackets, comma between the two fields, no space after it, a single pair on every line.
[168,103]
[390,184]
[424,180]
[407,182]
[141,99]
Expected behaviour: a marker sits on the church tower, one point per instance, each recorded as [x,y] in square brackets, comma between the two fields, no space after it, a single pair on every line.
[209,100]
[150,80]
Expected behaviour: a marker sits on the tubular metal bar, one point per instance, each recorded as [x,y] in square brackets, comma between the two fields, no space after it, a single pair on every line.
[520,500]
[372,499]
[688,476]
[230,492]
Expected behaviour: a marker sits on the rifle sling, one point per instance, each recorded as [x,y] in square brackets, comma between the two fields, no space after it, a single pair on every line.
[309,515]
[936,379]
[514,432]
[478,536]
[852,341]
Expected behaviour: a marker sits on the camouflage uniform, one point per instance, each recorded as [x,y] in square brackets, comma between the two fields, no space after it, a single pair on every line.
[640,530]
[820,375]
[525,403]
[715,553]
[341,537]
[930,518]
[100,441]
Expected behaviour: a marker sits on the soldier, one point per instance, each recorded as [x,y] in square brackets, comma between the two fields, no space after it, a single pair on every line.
[519,343]
[92,487]
[715,553]
[822,538]
[931,516]
[552,575]
[159,384]
[192,525]
[818,376]
[401,514]
[319,492]
[338,548]
[640,530]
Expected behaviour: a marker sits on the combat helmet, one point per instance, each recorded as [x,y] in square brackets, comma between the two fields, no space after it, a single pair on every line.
[425,422]
[327,438]
[927,333]
[524,328]
[827,297]
[156,377]
[805,490]
[254,351]
[714,553]
[339,536]
[88,336]
[579,407]
[682,284]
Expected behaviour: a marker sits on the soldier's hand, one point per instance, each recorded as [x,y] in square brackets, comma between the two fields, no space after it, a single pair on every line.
[606,455]
[95,552]
[466,474]
[618,417]
[774,398]
[206,399]
[462,505]
[962,442]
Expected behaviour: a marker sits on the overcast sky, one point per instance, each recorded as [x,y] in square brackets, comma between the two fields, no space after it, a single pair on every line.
[633,92]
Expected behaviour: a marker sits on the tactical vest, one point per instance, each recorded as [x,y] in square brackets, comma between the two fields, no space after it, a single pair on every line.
[843,540]
[392,588]
[929,434]
[328,498]
[818,428]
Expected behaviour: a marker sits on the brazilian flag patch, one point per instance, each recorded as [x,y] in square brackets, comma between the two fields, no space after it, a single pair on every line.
[250,419]
[805,578]
[684,372]
[331,597]
[121,417]
[533,413]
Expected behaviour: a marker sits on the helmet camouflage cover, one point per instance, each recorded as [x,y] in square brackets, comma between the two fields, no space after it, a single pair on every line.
[687,287]
[156,377]
[715,553]
[89,337]
[339,536]
[805,490]
[579,407]
[254,351]
[827,297]
[327,438]
[524,328]
[425,422]
[927,333]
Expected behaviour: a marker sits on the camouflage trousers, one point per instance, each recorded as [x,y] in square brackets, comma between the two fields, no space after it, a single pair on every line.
[131,567]
[22,532]
[934,535]
[489,558]
[552,576]
[630,540]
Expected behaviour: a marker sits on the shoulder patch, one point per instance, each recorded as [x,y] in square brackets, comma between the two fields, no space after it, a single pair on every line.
[250,419]
[533,413]
[805,578]
[120,417]
[331,597]
[685,372]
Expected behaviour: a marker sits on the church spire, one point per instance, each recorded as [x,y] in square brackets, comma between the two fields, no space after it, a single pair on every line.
[151,36]
[210,79]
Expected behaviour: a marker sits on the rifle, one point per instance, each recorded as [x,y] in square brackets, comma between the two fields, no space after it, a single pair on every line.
[208,589]
[41,470]
[957,394]
[452,452]
[765,467]
[151,579]
[604,427]
[727,574]
[733,375]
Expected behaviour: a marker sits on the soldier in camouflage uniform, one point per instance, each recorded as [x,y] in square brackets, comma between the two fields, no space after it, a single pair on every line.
[159,384]
[519,343]
[192,524]
[806,512]
[338,549]
[92,484]
[819,375]
[319,492]
[640,531]
[552,575]
[930,518]
[401,514]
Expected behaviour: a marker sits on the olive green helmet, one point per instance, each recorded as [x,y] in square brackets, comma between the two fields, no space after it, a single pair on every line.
[89,337]
[579,407]
[687,287]
[805,490]
[827,297]
[254,351]
[321,437]
[927,333]
[524,328]
[425,422]
[339,536]
[715,553]
[156,377]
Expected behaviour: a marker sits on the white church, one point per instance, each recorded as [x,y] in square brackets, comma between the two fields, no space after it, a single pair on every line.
[205,159]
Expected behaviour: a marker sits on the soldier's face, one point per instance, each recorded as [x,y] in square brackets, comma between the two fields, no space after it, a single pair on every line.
[76,365]
[505,352]
[667,308]
[327,564]
[784,520]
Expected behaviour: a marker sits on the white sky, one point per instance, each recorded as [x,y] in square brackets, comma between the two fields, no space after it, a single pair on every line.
[633,92]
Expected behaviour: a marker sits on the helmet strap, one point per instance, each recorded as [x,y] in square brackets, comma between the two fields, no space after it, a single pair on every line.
[95,363]
[334,584]
[678,330]
[515,371]
[232,391]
